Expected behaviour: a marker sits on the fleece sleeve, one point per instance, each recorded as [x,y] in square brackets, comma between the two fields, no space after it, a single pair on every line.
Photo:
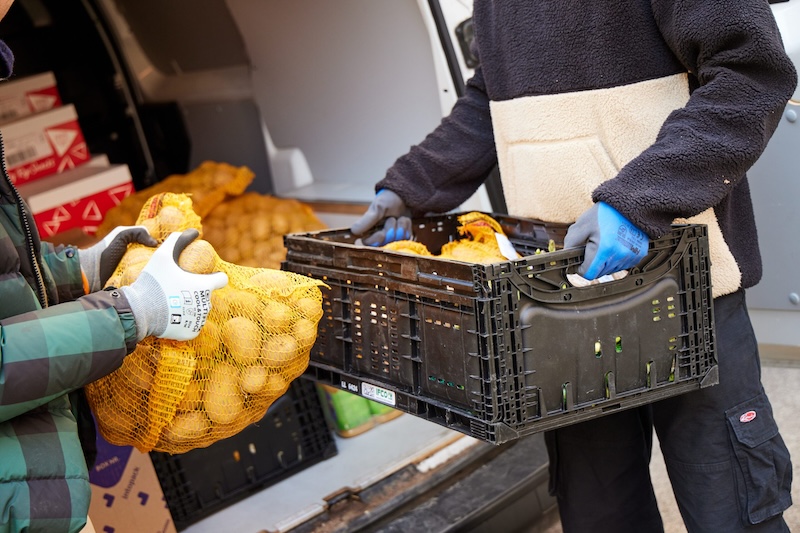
[449,165]
[743,80]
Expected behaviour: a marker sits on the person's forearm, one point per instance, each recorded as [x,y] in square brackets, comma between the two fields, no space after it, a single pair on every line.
[49,352]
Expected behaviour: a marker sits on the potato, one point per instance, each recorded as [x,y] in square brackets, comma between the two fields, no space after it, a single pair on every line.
[270,279]
[151,224]
[115,424]
[169,219]
[221,303]
[207,343]
[230,253]
[305,332]
[193,399]
[277,315]
[309,307]
[136,255]
[186,427]
[139,370]
[280,223]
[253,379]
[261,227]
[232,234]
[243,224]
[242,337]
[198,257]
[222,400]
[276,385]
[244,303]
[279,350]
[246,246]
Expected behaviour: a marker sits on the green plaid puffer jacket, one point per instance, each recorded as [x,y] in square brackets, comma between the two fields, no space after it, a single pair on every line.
[53,341]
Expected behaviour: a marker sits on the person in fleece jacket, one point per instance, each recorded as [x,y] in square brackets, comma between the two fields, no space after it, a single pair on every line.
[634,114]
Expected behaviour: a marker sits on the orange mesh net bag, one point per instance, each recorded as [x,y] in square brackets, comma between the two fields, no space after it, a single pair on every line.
[175,396]
[248,229]
[208,185]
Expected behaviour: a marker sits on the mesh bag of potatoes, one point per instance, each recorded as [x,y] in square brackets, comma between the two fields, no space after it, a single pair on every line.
[174,396]
[249,229]
[208,185]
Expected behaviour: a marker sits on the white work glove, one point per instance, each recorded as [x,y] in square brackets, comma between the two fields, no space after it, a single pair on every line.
[100,260]
[167,301]
[386,205]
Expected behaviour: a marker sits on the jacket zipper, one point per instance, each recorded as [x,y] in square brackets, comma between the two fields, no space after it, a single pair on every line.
[24,217]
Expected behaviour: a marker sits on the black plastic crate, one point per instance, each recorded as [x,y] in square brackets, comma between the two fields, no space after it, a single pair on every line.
[503,350]
[292,436]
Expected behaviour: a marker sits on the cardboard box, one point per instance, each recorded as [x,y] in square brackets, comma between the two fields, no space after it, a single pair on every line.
[126,494]
[77,198]
[21,97]
[44,144]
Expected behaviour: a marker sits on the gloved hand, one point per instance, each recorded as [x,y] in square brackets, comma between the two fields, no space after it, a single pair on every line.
[398,224]
[612,242]
[166,300]
[100,260]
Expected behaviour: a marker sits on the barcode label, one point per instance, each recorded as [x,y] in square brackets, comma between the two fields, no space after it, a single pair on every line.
[8,115]
[22,156]
[377,393]
[26,149]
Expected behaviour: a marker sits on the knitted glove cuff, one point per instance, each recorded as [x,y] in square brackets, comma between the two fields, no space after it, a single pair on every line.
[149,306]
[90,264]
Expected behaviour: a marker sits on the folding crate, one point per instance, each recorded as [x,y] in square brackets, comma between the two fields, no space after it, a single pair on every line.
[292,436]
[502,350]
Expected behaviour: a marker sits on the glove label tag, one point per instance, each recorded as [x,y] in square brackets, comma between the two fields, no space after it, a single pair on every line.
[189,310]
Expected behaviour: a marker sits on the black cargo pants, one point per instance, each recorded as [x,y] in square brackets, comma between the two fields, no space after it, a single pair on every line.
[729,467]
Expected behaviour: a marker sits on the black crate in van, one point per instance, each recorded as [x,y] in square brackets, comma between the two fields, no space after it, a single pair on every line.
[292,436]
[503,350]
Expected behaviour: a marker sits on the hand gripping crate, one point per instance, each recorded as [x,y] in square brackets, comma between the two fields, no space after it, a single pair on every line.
[499,351]
[292,436]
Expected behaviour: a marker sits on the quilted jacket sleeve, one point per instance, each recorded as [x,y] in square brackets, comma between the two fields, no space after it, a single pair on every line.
[49,352]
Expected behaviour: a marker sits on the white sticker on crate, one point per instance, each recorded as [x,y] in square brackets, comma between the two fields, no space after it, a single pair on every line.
[378,394]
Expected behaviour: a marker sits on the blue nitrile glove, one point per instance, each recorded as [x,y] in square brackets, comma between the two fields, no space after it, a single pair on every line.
[166,300]
[386,205]
[100,260]
[612,242]
[395,229]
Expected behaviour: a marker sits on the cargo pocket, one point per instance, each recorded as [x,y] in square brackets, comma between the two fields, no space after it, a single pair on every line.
[765,468]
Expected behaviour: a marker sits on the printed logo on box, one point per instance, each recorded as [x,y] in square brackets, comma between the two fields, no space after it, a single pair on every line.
[85,213]
[43,100]
[44,144]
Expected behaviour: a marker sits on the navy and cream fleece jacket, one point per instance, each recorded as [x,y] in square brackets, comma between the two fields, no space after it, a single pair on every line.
[656,107]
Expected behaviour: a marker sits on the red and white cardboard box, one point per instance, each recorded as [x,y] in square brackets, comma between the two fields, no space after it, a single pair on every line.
[21,97]
[78,198]
[44,144]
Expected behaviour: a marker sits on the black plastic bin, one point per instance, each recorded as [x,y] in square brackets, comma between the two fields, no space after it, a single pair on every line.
[498,351]
[292,436]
